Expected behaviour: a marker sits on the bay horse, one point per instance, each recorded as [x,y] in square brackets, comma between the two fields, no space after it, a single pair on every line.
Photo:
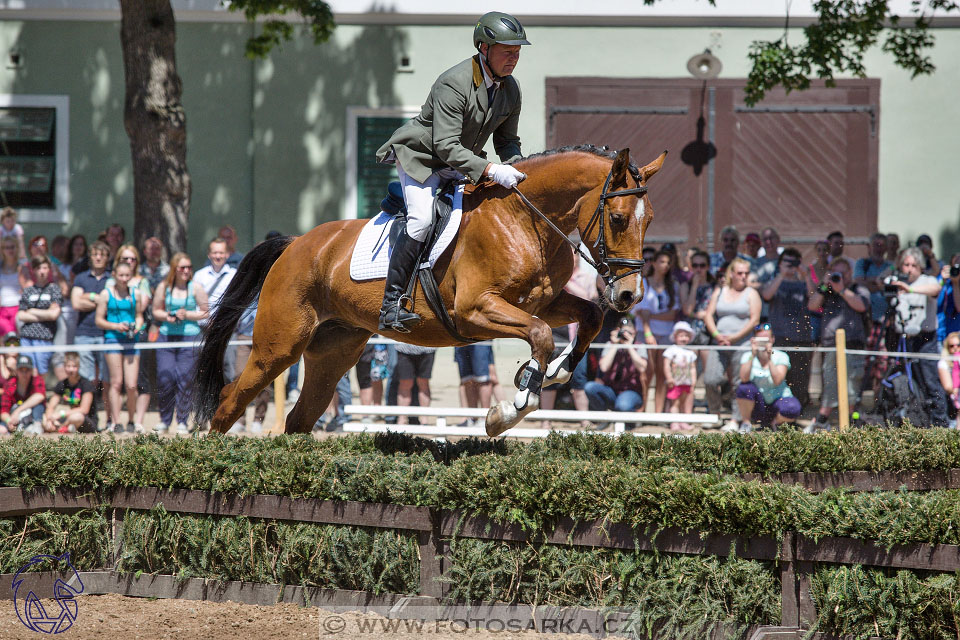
[502,277]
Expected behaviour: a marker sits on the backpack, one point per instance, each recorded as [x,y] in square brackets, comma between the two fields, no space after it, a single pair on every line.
[900,399]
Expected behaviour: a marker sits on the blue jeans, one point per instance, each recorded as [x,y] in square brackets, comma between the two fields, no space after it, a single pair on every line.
[91,360]
[603,398]
[41,359]
[174,376]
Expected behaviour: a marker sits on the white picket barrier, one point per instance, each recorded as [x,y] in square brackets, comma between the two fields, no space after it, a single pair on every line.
[443,429]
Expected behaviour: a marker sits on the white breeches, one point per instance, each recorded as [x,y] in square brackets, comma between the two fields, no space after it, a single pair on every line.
[419,199]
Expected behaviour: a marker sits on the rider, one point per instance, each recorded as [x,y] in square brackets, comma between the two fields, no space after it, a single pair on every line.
[467,104]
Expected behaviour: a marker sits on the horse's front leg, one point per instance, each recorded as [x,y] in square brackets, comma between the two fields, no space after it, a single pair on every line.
[495,315]
[565,309]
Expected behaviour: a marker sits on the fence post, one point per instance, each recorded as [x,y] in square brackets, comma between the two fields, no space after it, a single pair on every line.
[279,402]
[789,586]
[842,396]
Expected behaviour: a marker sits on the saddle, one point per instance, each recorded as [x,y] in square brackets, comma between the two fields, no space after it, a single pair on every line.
[393,204]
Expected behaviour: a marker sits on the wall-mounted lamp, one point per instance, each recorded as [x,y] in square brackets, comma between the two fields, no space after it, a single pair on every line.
[14,58]
[406,65]
[704,66]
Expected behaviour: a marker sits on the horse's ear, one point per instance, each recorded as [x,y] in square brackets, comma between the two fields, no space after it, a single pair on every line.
[621,163]
[648,171]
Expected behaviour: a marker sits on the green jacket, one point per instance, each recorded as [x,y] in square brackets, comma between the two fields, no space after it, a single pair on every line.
[455,123]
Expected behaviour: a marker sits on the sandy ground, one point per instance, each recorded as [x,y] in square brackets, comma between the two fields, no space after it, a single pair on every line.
[114,616]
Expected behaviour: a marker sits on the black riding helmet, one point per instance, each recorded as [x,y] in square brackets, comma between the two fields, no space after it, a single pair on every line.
[498,28]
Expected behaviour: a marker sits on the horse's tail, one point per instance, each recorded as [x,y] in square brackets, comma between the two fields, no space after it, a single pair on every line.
[244,288]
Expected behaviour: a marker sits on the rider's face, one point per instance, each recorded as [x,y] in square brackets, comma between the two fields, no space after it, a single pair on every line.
[503,58]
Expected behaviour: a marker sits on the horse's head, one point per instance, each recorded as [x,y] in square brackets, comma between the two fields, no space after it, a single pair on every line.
[615,230]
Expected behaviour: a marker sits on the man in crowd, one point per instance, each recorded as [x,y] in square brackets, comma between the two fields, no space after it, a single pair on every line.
[154,267]
[729,244]
[835,246]
[844,304]
[87,286]
[229,235]
[768,255]
[114,237]
[751,246]
[215,278]
[916,326]
[868,271]
[893,247]
[930,264]
[948,302]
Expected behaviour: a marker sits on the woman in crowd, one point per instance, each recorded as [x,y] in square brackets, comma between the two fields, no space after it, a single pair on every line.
[619,384]
[129,255]
[39,310]
[949,370]
[10,289]
[120,315]
[658,311]
[178,304]
[695,297]
[79,260]
[787,295]
[733,312]
[764,397]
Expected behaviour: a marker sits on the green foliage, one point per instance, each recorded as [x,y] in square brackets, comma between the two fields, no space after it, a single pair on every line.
[84,534]
[270,551]
[316,14]
[864,603]
[837,42]
[677,596]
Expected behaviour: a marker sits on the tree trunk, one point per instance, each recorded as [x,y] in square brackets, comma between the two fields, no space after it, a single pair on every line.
[155,122]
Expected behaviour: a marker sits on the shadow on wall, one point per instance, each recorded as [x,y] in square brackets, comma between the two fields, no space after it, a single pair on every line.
[83,61]
[300,101]
[949,240]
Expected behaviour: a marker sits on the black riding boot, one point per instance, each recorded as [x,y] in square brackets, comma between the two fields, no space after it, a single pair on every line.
[403,261]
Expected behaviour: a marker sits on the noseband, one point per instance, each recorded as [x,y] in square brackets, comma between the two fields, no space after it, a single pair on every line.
[606,267]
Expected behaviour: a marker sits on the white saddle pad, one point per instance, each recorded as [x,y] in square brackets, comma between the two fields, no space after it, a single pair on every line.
[371,258]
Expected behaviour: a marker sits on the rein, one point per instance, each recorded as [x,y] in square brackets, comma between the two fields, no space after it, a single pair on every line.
[604,266]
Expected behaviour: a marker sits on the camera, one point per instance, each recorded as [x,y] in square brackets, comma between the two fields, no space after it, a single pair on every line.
[889,285]
[132,334]
[624,323]
[954,270]
[835,278]
[791,262]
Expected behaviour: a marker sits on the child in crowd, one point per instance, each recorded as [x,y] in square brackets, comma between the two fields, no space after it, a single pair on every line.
[70,408]
[680,373]
[22,403]
[10,229]
[8,361]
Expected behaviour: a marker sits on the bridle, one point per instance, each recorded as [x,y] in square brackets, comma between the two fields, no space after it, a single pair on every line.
[606,267]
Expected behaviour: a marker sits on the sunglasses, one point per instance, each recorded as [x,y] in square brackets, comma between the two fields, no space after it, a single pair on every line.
[128,259]
[953,346]
[699,265]
[763,327]
[39,244]
[185,267]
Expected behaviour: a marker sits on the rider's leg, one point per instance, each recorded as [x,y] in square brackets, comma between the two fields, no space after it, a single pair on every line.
[406,249]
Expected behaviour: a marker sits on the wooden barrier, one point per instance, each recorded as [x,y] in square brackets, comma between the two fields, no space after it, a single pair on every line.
[794,553]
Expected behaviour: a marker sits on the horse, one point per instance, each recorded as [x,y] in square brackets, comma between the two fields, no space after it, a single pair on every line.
[502,277]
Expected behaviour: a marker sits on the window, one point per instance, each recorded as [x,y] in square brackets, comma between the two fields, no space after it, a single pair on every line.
[367,179]
[33,156]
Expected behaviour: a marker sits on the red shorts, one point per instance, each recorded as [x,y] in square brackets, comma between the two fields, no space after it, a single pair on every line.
[678,391]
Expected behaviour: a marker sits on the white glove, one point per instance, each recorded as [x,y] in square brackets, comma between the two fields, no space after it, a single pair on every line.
[505,175]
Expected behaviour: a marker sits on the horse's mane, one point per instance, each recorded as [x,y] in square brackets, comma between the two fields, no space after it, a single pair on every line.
[603,152]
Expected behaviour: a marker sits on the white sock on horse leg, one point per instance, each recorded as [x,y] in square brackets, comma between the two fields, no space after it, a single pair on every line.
[556,371]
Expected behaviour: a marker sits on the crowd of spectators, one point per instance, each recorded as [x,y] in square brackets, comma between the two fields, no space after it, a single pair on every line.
[755,293]
[751,295]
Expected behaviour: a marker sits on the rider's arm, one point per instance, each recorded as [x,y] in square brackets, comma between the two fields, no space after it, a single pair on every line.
[449,108]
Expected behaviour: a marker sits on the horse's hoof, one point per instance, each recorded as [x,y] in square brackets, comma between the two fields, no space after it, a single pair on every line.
[501,417]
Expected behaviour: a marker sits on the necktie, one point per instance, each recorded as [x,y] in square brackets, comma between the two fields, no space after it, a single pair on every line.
[491,91]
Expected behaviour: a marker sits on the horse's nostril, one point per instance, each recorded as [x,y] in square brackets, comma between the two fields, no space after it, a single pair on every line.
[626,297]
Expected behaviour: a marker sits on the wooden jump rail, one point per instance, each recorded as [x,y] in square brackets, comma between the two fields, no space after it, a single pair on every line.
[794,553]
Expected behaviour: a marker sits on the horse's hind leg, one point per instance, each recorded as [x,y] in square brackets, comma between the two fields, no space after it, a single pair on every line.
[280,335]
[332,352]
